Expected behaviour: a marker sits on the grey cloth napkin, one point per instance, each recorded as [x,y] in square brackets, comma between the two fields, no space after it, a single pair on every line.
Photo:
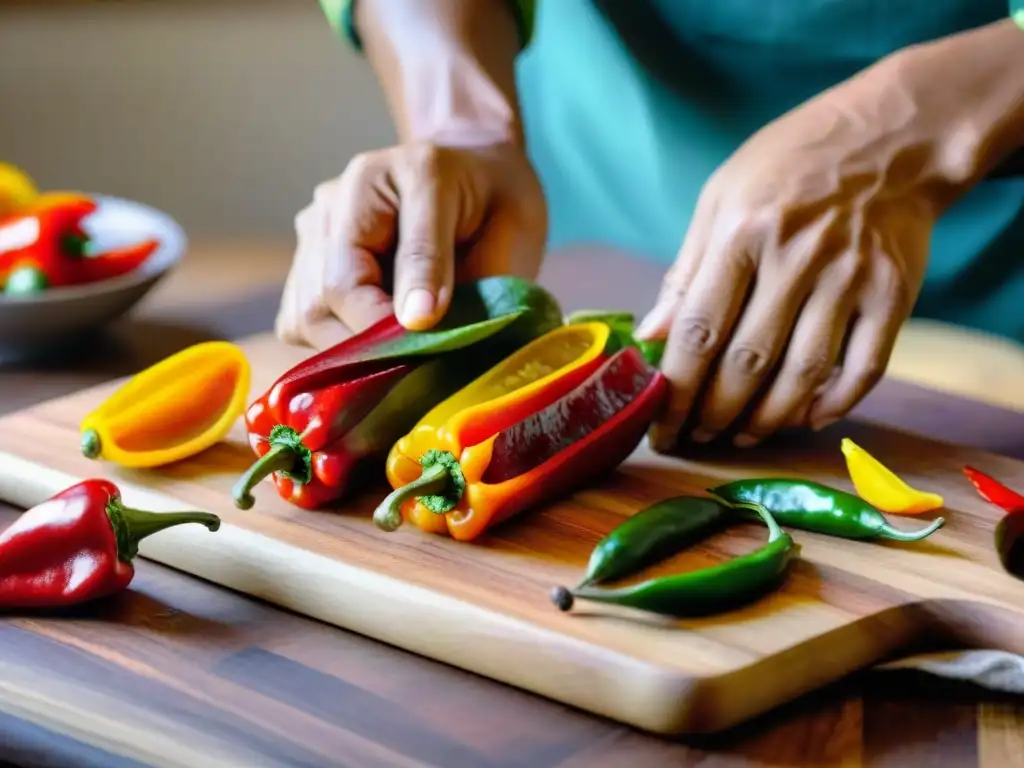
[995,670]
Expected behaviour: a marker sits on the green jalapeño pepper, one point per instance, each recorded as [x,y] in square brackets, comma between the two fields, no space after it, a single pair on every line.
[817,508]
[711,590]
[654,534]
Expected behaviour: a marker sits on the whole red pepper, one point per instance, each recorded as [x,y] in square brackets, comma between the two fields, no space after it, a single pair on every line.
[348,404]
[46,247]
[45,238]
[78,546]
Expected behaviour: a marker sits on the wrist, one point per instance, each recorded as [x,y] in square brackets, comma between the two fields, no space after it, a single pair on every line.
[452,100]
[969,91]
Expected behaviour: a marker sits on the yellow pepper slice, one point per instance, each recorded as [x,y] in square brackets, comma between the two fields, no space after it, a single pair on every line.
[881,487]
[171,411]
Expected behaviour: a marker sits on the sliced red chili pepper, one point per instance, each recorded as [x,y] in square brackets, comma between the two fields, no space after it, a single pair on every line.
[994,492]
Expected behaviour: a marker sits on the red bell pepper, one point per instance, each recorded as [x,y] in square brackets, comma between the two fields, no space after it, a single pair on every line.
[78,546]
[330,413]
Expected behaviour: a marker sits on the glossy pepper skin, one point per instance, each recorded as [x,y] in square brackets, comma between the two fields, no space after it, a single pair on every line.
[326,416]
[170,411]
[704,592]
[654,534]
[1009,531]
[882,488]
[38,245]
[45,247]
[78,546]
[817,508]
[994,492]
[511,460]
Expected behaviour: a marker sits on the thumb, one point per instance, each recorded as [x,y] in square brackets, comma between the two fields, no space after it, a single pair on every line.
[425,256]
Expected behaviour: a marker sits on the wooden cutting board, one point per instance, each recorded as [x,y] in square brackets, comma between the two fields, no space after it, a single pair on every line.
[484,606]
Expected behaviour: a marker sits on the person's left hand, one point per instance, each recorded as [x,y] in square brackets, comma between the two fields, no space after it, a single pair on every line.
[805,255]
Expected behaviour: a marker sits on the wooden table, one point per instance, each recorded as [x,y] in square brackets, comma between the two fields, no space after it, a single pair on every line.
[179,667]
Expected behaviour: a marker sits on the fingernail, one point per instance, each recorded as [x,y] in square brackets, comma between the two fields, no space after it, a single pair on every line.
[703,436]
[417,307]
[745,440]
[821,424]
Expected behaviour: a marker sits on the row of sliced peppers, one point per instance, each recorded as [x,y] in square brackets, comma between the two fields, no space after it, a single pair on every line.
[567,406]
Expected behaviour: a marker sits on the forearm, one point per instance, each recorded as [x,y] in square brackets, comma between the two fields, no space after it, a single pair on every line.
[972,85]
[446,67]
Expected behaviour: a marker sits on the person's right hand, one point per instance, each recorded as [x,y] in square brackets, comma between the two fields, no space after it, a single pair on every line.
[427,215]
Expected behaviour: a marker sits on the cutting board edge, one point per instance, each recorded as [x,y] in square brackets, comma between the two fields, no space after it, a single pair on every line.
[616,685]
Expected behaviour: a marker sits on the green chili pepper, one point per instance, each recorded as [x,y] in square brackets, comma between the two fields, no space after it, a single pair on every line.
[700,593]
[26,281]
[815,507]
[653,534]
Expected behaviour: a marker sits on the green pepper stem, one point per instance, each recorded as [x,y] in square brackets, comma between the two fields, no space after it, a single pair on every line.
[280,458]
[888,532]
[91,444]
[133,525]
[388,515]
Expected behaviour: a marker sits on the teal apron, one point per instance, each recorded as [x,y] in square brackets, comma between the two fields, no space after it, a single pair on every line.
[630,105]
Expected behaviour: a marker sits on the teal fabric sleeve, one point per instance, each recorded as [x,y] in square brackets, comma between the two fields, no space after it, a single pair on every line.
[340,15]
[1017,12]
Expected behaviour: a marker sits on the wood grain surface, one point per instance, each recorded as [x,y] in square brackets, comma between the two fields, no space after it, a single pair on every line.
[127,652]
[484,607]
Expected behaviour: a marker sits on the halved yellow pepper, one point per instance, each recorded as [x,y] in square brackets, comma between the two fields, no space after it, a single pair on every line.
[171,411]
[543,370]
[880,487]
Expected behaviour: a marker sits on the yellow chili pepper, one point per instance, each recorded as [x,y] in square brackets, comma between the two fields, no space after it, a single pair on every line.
[881,487]
[173,410]
[17,190]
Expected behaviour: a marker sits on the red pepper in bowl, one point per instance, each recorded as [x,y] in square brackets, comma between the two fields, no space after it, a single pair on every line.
[78,546]
[38,244]
[46,247]
[329,414]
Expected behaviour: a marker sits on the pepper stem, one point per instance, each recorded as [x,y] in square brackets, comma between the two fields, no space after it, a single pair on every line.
[280,458]
[91,444]
[434,480]
[133,525]
[888,532]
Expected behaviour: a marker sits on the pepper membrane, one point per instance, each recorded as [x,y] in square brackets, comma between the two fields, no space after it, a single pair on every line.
[553,416]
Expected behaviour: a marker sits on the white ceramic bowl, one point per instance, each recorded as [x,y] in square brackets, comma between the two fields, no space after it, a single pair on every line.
[34,326]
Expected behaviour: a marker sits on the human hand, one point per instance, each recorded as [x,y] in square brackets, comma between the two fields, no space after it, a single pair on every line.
[805,255]
[399,227]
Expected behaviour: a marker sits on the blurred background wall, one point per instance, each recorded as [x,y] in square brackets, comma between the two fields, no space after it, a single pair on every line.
[224,113]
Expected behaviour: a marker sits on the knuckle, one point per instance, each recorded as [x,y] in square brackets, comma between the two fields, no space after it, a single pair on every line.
[890,283]
[871,373]
[425,158]
[749,360]
[361,164]
[813,370]
[696,335]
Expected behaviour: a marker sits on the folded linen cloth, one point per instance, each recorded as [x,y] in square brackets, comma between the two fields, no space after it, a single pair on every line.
[994,670]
